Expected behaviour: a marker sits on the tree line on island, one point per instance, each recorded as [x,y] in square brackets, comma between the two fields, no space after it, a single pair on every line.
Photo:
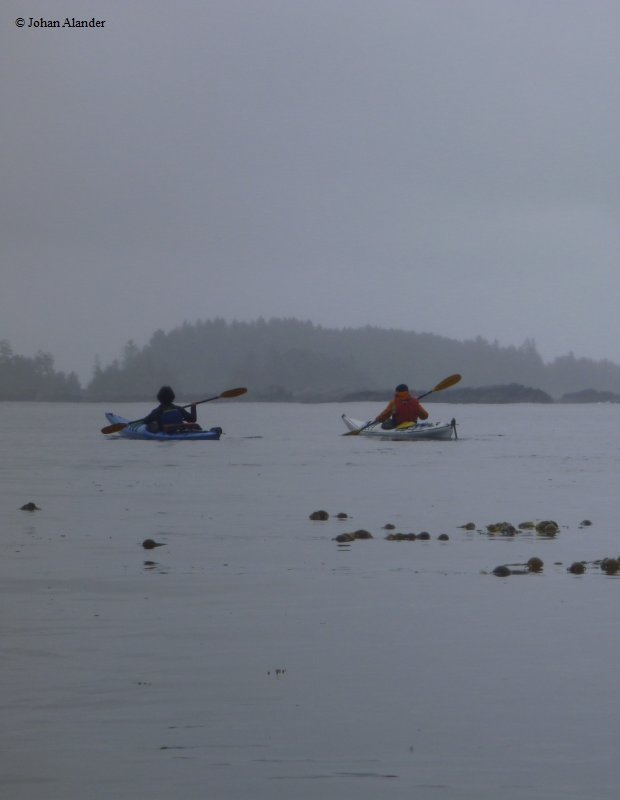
[23,378]
[292,360]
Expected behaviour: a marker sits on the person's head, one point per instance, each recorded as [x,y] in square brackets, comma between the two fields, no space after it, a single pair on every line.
[165,395]
[402,388]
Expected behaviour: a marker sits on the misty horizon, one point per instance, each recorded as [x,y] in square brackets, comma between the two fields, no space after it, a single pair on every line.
[447,168]
[98,363]
[287,359]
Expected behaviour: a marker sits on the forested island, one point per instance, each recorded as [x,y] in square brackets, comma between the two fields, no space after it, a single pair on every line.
[292,360]
[23,378]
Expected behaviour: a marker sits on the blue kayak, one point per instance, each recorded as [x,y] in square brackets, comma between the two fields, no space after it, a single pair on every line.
[136,430]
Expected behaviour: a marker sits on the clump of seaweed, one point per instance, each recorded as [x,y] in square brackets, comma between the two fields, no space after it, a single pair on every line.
[533,564]
[151,544]
[610,566]
[547,527]
[503,528]
[352,537]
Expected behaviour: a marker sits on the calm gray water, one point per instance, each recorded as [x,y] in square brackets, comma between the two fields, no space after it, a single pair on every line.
[254,657]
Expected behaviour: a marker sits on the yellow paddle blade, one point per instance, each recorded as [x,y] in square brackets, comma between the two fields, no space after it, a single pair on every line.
[447,382]
[405,426]
[115,428]
[233,392]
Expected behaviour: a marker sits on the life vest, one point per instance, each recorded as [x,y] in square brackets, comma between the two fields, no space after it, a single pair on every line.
[170,416]
[405,408]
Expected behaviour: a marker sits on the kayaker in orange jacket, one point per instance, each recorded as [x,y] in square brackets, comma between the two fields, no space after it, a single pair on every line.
[403,408]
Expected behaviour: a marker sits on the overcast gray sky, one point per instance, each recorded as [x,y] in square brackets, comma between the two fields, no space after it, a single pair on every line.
[444,166]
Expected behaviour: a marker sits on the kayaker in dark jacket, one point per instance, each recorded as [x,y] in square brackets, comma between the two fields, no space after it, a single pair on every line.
[170,418]
[403,408]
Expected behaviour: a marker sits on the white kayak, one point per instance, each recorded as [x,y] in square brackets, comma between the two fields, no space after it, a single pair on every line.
[408,431]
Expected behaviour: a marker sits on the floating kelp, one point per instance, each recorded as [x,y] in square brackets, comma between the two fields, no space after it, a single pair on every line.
[503,528]
[412,537]
[547,528]
[151,544]
[319,515]
[534,564]
[469,526]
[352,537]
[609,566]
[344,537]
[30,507]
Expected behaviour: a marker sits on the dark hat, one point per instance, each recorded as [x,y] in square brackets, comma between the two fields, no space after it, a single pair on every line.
[402,387]
[165,395]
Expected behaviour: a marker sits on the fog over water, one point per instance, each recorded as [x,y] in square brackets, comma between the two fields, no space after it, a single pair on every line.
[443,167]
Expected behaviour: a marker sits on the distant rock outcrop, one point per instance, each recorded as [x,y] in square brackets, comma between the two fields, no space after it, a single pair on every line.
[590,396]
[508,393]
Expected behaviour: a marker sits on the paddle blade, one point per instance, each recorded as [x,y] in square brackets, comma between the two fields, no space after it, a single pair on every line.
[359,430]
[233,392]
[446,383]
[118,426]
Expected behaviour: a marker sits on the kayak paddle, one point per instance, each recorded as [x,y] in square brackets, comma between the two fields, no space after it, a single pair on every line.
[446,383]
[118,426]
